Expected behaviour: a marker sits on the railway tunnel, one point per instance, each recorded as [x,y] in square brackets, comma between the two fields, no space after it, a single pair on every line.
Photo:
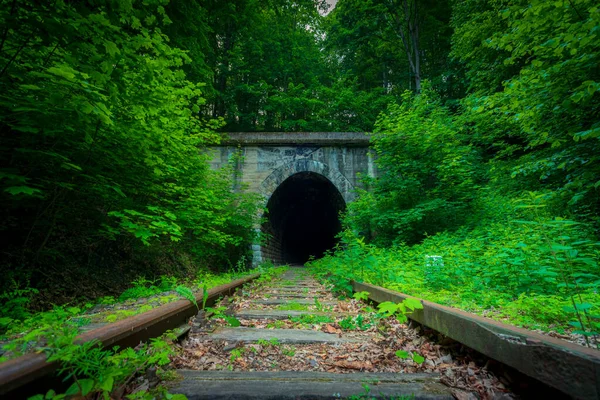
[302,219]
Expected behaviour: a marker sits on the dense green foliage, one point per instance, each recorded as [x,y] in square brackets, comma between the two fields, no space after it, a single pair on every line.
[486,125]
[92,371]
[545,112]
[107,373]
[22,331]
[101,164]
[428,176]
[493,206]
[262,59]
[485,118]
[283,65]
[106,107]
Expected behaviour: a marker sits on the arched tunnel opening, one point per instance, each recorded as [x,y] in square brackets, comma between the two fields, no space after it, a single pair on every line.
[302,219]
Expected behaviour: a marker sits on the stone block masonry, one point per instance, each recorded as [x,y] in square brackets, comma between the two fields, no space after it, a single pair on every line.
[271,158]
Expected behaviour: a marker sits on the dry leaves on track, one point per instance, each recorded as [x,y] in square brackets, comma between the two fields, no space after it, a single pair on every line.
[374,351]
[328,328]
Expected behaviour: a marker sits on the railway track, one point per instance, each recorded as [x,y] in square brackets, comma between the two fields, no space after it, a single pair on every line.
[293,339]
[31,374]
[296,340]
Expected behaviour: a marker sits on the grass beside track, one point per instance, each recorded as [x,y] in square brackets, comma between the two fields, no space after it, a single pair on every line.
[113,372]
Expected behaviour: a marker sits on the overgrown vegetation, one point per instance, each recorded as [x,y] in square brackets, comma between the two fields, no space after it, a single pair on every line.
[117,373]
[492,206]
[485,118]
[109,373]
[102,168]
[107,108]
[24,331]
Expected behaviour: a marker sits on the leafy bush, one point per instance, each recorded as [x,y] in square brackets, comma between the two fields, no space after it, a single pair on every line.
[106,373]
[14,306]
[526,267]
[102,162]
[427,177]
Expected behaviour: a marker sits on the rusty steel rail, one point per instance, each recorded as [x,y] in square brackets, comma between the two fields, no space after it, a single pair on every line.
[126,333]
[570,368]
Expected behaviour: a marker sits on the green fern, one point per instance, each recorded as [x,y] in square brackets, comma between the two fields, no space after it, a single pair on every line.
[187,293]
[204,296]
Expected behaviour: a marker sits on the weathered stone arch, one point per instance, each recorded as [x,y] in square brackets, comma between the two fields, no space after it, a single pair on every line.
[278,176]
[298,163]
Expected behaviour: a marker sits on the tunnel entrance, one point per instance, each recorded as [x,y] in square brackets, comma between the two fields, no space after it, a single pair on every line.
[302,219]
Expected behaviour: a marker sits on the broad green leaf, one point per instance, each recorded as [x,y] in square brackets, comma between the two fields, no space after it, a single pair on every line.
[107,384]
[86,386]
[583,306]
[232,321]
[361,296]
[27,190]
[402,354]
[63,71]
[413,304]
[418,359]
[387,308]
[73,389]
[111,48]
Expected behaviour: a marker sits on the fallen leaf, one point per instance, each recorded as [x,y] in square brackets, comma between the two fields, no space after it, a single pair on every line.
[358,365]
[328,328]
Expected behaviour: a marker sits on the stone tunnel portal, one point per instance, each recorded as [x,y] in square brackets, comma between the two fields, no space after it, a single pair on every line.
[302,219]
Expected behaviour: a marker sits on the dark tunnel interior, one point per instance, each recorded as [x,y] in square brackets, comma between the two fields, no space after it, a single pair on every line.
[302,219]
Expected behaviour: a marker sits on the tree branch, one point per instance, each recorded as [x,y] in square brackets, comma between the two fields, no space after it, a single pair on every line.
[5,34]
[400,33]
[576,10]
[15,55]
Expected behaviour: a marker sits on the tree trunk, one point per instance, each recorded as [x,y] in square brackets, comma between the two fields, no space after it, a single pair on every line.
[407,29]
[221,78]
